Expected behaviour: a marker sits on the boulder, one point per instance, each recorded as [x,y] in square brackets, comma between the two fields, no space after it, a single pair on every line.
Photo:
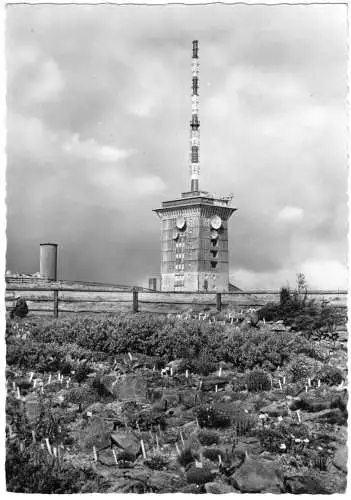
[313,403]
[105,457]
[248,445]
[323,483]
[129,387]
[211,382]
[340,459]
[275,409]
[258,476]
[199,475]
[127,441]
[331,416]
[34,408]
[96,433]
[218,488]
[176,365]
[165,482]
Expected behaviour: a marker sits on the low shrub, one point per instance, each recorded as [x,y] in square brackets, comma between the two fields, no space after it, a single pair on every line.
[157,462]
[212,416]
[100,388]
[186,457]
[125,459]
[32,471]
[330,375]
[301,368]
[272,438]
[207,437]
[200,475]
[81,395]
[81,372]
[258,381]
[213,453]
[203,364]
[242,422]
[320,461]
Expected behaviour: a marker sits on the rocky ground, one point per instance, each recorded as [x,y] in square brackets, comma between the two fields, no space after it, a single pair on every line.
[131,426]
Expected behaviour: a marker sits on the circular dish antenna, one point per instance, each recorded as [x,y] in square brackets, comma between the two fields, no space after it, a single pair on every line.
[175,235]
[214,235]
[216,222]
[180,222]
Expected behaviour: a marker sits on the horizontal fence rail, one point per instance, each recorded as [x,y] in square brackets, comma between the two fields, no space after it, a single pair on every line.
[59,298]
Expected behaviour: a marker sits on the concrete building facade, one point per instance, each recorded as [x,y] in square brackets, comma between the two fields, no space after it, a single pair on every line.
[194,243]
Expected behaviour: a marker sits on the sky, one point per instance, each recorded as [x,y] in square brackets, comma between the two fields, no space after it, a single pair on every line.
[98,109]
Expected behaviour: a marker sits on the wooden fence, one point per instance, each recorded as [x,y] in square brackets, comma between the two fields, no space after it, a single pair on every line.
[56,298]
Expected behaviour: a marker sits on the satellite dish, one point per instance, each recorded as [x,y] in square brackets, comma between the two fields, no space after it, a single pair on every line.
[175,235]
[214,235]
[180,222]
[216,222]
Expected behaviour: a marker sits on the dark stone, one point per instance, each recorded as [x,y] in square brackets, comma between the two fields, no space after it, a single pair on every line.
[126,441]
[258,476]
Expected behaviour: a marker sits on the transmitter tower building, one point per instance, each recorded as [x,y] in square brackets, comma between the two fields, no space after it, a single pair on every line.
[194,227]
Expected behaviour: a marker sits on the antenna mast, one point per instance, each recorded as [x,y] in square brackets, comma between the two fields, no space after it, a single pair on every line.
[195,123]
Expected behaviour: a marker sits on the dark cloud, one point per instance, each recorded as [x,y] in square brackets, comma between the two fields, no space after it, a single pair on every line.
[98,110]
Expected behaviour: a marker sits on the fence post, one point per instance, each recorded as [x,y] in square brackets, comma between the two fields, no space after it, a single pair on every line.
[135,300]
[56,303]
[219,301]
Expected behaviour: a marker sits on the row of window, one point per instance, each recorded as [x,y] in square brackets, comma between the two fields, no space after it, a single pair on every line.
[179,267]
[180,255]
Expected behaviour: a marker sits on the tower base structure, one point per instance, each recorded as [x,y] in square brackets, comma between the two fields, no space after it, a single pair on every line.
[194,243]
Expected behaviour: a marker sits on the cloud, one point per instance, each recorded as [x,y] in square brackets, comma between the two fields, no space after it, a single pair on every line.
[290,214]
[29,137]
[90,149]
[324,274]
[47,84]
[320,275]
[101,95]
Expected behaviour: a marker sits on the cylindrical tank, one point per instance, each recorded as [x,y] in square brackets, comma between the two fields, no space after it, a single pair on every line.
[152,284]
[48,261]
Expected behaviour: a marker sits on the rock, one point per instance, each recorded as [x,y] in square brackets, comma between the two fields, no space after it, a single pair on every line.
[218,488]
[187,397]
[34,408]
[105,457]
[303,485]
[175,412]
[176,365]
[331,416]
[189,428]
[258,476]
[248,445]
[312,484]
[311,403]
[340,459]
[192,489]
[199,475]
[97,433]
[130,387]
[210,383]
[127,441]
[275,409]
[165,482]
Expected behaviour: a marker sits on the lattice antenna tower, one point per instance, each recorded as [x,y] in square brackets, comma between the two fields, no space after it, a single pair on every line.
[195,123]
